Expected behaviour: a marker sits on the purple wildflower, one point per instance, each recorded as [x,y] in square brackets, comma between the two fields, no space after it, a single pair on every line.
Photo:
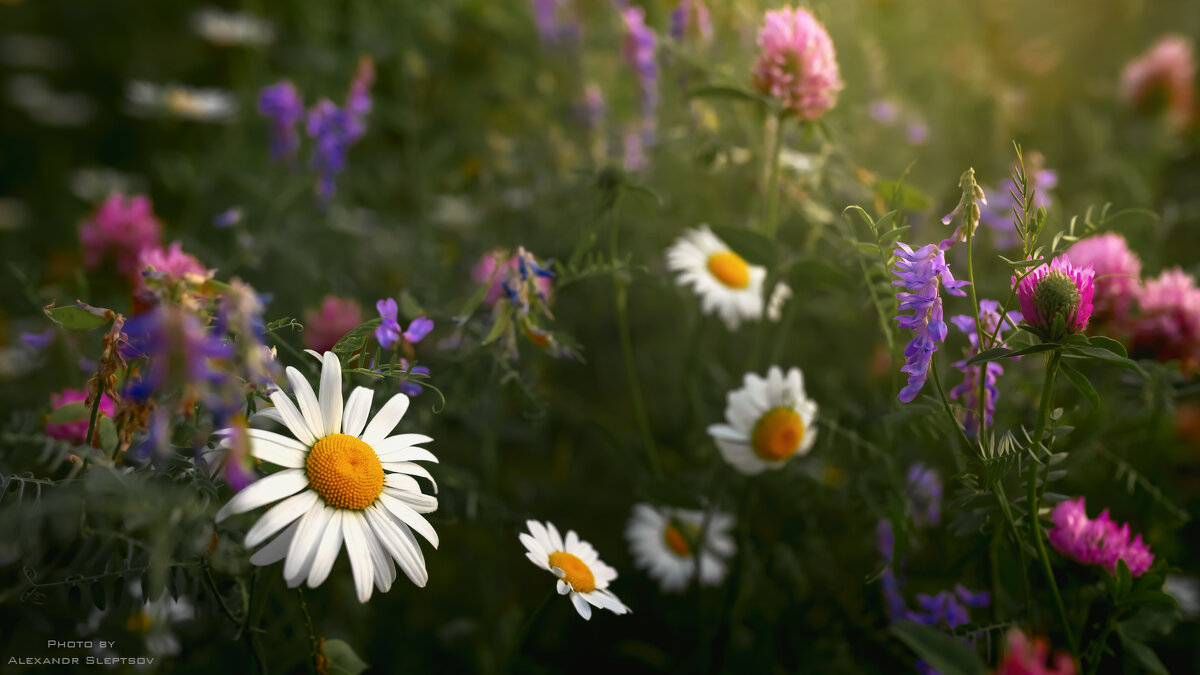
[546,14]
[409,387]
[689,14]
[418,329]
[231,217]
[358,101]
[179,349]
[924,495]
[883,111]
[640,46]
[999,214]
[388,332]
[917,133]
[335,129]
[921,272]
[281,104]
[989,319]
[38,341]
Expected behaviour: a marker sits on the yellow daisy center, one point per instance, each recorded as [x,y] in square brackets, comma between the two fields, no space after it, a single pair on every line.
[730,269]
[677,542]
[345,472]
[778,434]
[578,574]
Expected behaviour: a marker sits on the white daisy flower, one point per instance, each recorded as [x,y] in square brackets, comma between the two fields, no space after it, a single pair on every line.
[342,480]
[779,298]
[173,100]
[664,542]
[580,572]
[727,285]
[232,28]
[769,421]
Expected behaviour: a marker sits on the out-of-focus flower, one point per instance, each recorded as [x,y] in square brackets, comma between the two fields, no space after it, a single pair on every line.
[38,341]
[155,618]
[554,29]
[388,332]
[581,574]
[1186,591]
[641,45]
[796,63]
[228,218]
[120,228]
[779,297]
[164,269]
[180,350]
[1167,326]
[230,29]
[44,105]
[1118,276]
[691,15]
[989,322]
[767,422]
[1164,74]
[342,480]
[323,327]
[174,100]
[883,111]
[335,129]
[664,541]
[1096,542]
[358,100]
[924,495]
[485,272]
[524,296]
[1029,658]
[1056,299]
[231,459]
[999,214]
[282,105]
[240,319]
[410,387]
[75,432]
[728,286]
[916,133]
[922,273]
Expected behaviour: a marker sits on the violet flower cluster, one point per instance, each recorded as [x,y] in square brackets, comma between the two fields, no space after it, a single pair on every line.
[1096,542]
[389,333]
[640,52]
[924,495]
[922,273]
[693,15]
[989,322]
[281,104]
[552,28]
[998,215]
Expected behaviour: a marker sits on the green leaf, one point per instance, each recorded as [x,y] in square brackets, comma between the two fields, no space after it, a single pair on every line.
[902,195]
[98,598]
[1104,354]
[752,246]
[1082,383]
[1147,598]
[342,659]
[1142,654]
[1109,344]
[862,214]
[353,340]
[81,317]
[1124,579]
[70,412]
[942,652]
[108,434]
[867,247]
[501,324]
[997,353]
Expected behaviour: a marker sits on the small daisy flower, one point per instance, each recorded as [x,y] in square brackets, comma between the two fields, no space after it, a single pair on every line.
[343,480]
[727,285]
[769,421]
[664,542]
[581,574]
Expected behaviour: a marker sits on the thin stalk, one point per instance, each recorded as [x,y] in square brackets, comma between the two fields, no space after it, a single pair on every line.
[978,327]
[526,629]
[1002,499]
[720,641]
[313,644]
[620,292]
[771,223]
[1095,665]
[937,382]
[89,437]
[1031,474]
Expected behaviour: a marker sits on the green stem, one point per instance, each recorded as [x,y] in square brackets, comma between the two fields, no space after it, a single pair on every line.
[313,644]
[720,641]
[1095,665]
[1031,475]
[89,437]
[771,224]
[526,629]
[982,401]
[1002,499]
[937,382]
[620,290]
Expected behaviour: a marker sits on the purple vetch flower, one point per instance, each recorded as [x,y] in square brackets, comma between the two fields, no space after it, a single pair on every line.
[924,495]
[998,215]
[640,49]
[388,333]
[281,104]
[418,329]
[409,387]
[691,14]
[38,341]
[1056,299]
[921,273]
[989,319]
[1096,542]
[550,24]
[358,101]
[335,129]
[179,348]
[229,218]
[883,111]
[948,609]
[917,133]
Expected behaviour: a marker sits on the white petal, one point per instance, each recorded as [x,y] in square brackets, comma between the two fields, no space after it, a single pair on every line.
[562,587]
[331,394]
[277,549]
[327,550]
[538,530]
[400,543]
[308,538]
[401,482]
[358,409]
[292,418]
[385,420]
[276,453]
[280,516]
[421,503]
[310,407]
[412,470]
[400,449]
[410,517]
[385,572]
[533,546]
[264,491]
[267,414]
[555,538]
[581,606]
[360,555]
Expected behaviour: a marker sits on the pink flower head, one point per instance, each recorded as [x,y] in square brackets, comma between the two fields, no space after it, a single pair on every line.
[1057,290]
[323,327]
[1118,273]
[1096,542]
[75,432]
[796,63]
[121,228]
[485,269]
[1168,67]
[172,263]
[1168,324]
[1029,658]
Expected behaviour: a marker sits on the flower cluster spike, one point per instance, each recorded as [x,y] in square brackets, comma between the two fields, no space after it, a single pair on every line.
[989,321]
[969,203]
[922,273]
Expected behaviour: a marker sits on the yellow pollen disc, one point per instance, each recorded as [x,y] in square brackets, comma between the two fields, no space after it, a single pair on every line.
[577,573]
[677,542]
[729,268]
[345,472]
[778,434]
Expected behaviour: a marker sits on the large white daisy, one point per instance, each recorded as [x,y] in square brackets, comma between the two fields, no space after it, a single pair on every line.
[664,541]
[343,480]
[727,285]
[580,572]
[769,421]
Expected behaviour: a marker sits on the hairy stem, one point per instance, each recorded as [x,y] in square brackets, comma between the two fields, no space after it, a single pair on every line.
[771,223]
[962,435]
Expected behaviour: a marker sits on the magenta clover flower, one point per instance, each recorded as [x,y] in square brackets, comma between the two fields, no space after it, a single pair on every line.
[796,63]
[922,273]
[1096,542]
[1056,299]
